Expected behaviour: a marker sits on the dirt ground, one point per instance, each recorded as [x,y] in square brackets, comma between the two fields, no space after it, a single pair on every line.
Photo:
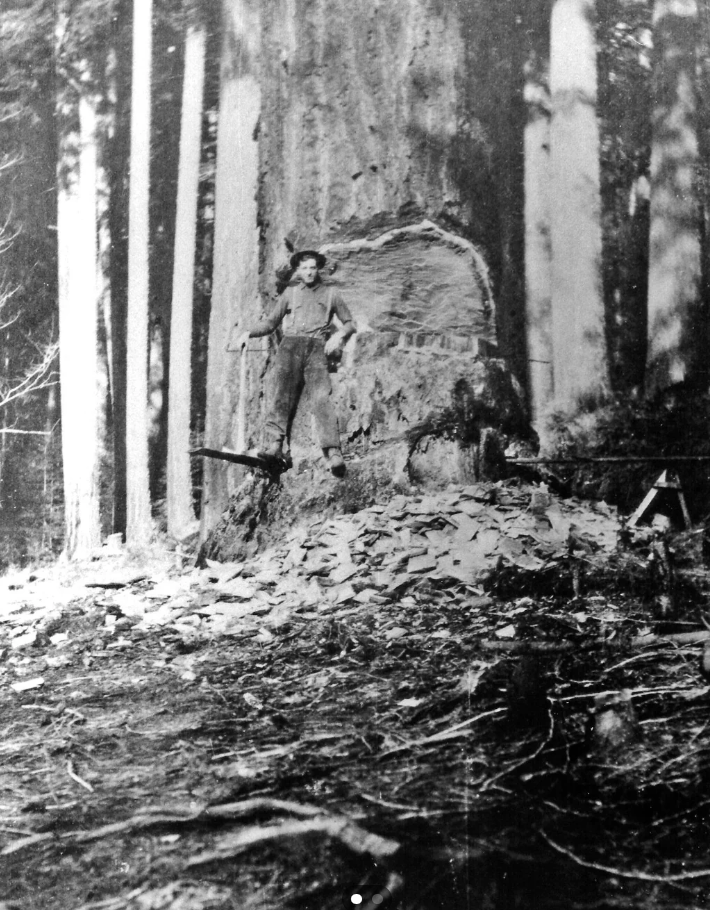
[191,738]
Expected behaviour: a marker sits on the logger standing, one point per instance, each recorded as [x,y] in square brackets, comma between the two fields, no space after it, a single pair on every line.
[305,313]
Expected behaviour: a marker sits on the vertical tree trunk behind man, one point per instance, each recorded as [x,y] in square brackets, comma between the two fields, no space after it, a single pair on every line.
[179,488]
[138,516]
[78,316]
[676,332]
[236,245]
[578,332]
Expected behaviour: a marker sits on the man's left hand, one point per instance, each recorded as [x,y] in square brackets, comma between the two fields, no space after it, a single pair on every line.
[334,345]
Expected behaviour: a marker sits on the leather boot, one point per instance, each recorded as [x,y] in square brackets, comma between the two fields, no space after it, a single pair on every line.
[335,461]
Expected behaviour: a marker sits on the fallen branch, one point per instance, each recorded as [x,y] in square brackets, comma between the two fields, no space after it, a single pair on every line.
[612,459]
[538,647]
[678,638]
[695,691]
[79,780]
[115,903]
[260,804]
[452,733]
[156,816]
[560,647]
[347,832]
[626,873]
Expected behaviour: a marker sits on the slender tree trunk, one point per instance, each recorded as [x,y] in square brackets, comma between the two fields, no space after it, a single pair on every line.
[138,518]
[119,79]
[538,264]
[78,316]
[580,366]
[677,336]
[179,487]
[236,251]
[509,170]
[103,277]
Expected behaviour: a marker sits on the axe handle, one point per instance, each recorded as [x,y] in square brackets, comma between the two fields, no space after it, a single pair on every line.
[242,402]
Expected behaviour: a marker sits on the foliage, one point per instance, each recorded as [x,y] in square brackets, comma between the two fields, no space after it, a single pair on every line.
[674,424]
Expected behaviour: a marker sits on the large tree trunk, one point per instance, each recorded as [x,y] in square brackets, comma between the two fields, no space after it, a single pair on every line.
[179,487]
[677,335]
[538,263]
[236,246]
[364,133]
[580,366]
[78,316]
[138,518]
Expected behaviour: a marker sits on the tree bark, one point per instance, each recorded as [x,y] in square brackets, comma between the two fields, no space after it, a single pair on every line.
[677,336]
[78,316]
[117,162]
[580,367]
[179,487]
[538,260]
[235,294]
[138,516]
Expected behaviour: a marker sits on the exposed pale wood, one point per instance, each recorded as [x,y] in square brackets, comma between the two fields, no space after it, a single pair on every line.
[580,366]
[78,314]
[179,487]
[675,331]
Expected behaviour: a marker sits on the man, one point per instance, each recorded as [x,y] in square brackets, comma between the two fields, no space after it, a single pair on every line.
[305,314]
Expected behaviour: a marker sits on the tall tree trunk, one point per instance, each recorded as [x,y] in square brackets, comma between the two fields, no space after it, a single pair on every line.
[118,78]
[78,316]
[236,251]
[676,334]
[538,265]
[138,518]
[509,175]
[580,366]
[179,488]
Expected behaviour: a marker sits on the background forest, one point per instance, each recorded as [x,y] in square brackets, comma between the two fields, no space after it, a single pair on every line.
[158,160]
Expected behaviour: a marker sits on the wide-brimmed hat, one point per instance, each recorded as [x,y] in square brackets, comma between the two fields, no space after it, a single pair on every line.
[298,258]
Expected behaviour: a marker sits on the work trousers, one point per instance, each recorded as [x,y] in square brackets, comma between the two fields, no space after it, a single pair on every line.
[300,364]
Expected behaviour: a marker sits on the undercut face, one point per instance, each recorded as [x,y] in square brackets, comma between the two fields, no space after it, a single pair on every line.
[307,271]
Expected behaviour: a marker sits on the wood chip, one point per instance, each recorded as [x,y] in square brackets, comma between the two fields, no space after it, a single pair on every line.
[129,604]
[425,563]
[487,540]
[467,526]
[239,588]
[342,573]
[27,684]
[472,508]
[510,547]
[20,642]
[344,593]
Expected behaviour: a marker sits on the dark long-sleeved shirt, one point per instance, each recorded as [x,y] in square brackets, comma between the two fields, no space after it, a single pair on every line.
[304,310]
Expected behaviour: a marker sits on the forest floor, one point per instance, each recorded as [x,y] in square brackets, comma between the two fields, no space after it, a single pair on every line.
[479,699]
